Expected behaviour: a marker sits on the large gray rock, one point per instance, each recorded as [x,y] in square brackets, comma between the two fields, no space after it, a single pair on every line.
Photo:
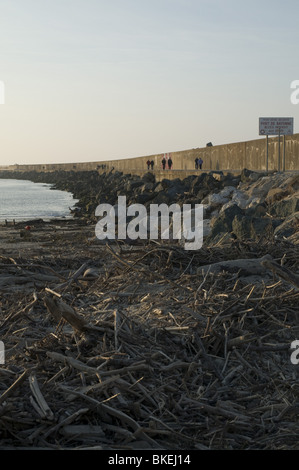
[144,197]
[258,210]
[149,177]
[223,223]
[288,227]
[244,227]
[197,183]
[161,197]
[131,185]
[286,206]
[276,194]
[245,175]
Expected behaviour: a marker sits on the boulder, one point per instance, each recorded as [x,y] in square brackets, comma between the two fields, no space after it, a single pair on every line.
[217,199]
[160,198]
[217,175]
[244,227]
[250,176]
[256,210]
[240,198]
[275,194]
[144,197]
[196,184]
[203,182]
[131,185]
[173,193]
[262,227]
[166,183]
[245,173]
[292,184]
[261,187]
[201,196]
[158,188]
[231,180]
[149,177]
[288,227]
[223,223]
[286,206]
[147,187]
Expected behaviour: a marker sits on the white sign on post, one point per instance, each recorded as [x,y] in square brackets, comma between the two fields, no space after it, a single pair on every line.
[276,126]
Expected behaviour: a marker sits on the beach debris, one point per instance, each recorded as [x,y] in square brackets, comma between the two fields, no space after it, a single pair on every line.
[163,349]
[150,346]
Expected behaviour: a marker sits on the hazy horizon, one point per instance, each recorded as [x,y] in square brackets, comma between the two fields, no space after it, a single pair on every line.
[98,80]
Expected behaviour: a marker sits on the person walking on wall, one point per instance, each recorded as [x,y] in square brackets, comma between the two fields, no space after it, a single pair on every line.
[152,164]
[148,164]
[196,163]
[200,162]
[163,163]
[169,161]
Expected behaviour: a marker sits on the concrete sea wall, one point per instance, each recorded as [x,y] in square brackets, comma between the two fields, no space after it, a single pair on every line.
[227,158]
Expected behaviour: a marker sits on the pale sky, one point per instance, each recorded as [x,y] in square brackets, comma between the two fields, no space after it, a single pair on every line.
[92,80]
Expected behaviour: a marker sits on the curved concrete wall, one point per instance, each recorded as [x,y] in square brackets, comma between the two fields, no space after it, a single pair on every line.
[228,158]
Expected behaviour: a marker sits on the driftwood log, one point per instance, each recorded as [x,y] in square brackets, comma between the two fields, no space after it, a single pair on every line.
[60,310]
[283,272]
[245,267]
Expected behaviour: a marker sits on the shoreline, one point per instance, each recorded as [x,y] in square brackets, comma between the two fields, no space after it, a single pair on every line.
[43,235]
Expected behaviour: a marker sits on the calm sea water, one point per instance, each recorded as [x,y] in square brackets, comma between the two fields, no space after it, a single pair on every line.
[24,200]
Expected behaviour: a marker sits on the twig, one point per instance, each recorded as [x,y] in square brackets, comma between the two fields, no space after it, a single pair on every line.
[45,410]
[282,271]
[14,386]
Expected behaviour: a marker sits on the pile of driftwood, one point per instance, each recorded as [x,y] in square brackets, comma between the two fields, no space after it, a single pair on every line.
[150,347]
